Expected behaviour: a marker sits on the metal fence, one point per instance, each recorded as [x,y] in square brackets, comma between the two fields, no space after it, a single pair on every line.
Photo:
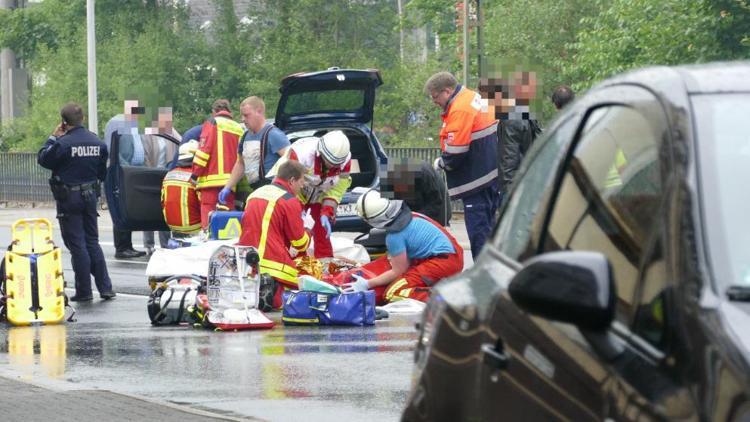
[23,180]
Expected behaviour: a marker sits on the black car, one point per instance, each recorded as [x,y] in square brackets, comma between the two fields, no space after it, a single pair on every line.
[617,280]
[310,104]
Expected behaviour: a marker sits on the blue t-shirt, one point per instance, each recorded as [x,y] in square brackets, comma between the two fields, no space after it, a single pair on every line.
[277,141]
[420,239]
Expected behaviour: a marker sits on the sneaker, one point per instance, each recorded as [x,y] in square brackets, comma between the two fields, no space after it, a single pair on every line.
[129,254]
[108,295]
[77,298]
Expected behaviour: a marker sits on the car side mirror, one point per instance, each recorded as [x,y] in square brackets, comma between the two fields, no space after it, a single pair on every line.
[573,287]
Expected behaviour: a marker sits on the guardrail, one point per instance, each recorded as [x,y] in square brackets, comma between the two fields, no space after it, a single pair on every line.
[23,180]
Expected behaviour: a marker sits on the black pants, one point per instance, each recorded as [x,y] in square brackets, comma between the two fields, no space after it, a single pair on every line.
[123,240]
[78,224]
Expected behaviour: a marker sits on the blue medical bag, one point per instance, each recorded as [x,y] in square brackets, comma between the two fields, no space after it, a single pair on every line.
[313,308]
[223,225]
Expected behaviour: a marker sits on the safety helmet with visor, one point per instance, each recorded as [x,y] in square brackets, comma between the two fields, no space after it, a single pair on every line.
[186,153]
[381,212]
[334,147]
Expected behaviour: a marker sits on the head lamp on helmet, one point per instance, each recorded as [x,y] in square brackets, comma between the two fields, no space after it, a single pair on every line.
[334,147]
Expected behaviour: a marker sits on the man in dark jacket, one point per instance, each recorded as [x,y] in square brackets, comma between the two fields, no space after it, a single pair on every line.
[510,98]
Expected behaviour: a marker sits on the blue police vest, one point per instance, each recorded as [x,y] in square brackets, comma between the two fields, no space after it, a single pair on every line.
[77,157]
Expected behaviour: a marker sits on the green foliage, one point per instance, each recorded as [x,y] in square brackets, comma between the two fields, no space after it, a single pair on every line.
[148,49]
[633,33]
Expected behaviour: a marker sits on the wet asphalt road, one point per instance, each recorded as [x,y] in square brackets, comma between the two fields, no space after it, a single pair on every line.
[284,374]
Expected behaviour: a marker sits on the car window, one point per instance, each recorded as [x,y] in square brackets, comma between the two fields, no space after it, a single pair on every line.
[610,194]
[320,101]
[522,215]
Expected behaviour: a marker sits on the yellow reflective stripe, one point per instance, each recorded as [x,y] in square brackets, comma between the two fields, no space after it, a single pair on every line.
[393,287]
[405,292]
[291,279]
[202,155]
[199,161]
[264,227]
[184,208]
[298,244]
[220,147]
[300,320]
[269,193]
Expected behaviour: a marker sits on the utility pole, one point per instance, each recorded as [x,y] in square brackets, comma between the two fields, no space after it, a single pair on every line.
[480,41]
[91,62]
[400,30]
[466,42]
[7,65]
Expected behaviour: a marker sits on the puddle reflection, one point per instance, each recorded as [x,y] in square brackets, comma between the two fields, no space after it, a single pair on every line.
[49,342]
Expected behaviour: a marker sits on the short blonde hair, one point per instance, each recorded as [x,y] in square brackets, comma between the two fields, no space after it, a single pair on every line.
[439,82]
[256,103]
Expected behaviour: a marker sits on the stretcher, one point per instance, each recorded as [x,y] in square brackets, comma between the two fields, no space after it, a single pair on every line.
[34,285]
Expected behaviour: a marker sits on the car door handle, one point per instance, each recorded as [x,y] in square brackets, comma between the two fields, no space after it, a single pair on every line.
[494,358]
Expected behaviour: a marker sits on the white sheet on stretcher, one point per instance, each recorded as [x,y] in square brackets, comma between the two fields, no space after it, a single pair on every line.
[194,259]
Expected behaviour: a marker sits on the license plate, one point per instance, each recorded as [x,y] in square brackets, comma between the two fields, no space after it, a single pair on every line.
[346,209]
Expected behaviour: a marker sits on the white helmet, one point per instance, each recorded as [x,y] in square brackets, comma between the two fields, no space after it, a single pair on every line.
[334,147]
[187,150]
[377,211]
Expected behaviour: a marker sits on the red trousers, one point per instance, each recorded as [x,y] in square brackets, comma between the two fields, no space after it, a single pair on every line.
[323,247]
[209,197]
[416,283]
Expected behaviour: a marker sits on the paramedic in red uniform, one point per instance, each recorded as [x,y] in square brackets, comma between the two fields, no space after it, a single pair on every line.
[421,252]
[179,200]
[468,141]
[215,158]
[272,223]
[328,162]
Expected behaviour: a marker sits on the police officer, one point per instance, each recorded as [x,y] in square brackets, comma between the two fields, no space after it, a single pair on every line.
[78,160]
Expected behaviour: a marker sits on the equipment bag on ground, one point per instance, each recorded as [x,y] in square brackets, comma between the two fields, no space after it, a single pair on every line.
[312,308]
[169,303]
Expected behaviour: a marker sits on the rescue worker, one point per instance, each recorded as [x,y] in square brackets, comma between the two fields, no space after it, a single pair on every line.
[179,200]
[78,160]
[215,157]
[328,161]
[421,252]
[261,146]
[468,144]
[272,223]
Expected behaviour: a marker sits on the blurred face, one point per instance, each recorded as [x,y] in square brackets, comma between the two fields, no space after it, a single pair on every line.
[440,98]
[129,105]
[165,120]
[253,119]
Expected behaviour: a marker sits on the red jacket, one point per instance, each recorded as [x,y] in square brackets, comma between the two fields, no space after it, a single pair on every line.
[179,201]
[217,152]
[272,223]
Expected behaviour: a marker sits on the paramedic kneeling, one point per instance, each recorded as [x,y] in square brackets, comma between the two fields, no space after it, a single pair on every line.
[78,160]
[420,251]
[272,223]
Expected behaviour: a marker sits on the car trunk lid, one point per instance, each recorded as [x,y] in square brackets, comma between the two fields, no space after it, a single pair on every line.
[333,95]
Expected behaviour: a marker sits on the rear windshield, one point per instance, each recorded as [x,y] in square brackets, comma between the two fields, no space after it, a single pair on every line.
[723,133]
[346,100]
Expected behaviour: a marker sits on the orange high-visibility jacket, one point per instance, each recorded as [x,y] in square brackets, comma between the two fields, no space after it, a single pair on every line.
[468,141]
[179,201]
[217,151]
[272,223]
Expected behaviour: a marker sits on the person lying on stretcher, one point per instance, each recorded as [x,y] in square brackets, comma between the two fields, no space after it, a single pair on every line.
[420,251]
